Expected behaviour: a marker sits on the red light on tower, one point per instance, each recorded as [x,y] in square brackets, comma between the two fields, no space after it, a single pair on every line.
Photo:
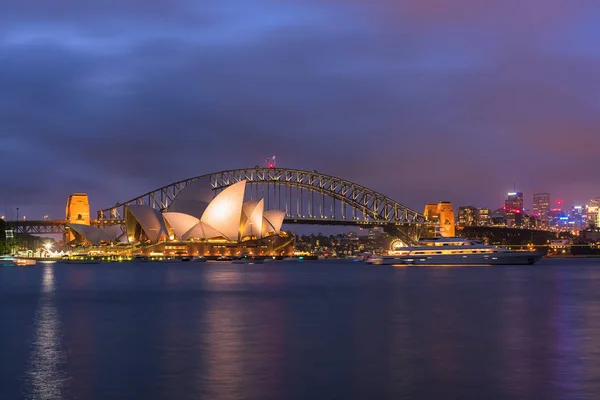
[270,162]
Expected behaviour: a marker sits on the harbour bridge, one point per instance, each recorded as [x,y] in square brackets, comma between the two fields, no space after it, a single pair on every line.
[308,197]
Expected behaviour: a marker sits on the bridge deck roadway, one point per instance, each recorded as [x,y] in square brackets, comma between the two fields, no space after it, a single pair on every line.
[38,227]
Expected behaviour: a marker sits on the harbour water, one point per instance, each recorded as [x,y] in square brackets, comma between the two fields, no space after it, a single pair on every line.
[300,330]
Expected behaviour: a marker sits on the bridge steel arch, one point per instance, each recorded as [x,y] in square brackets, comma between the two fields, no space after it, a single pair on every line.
[308,197]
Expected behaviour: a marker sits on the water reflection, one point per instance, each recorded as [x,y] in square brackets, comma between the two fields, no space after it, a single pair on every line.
[242,341]
[444,332]
[44,376]
[80,278]
[577,362]
[286,331]
[224,346]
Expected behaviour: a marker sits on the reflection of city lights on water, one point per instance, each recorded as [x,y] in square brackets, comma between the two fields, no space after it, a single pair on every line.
[44,376]
[225,277]
[48,280]
[225,347]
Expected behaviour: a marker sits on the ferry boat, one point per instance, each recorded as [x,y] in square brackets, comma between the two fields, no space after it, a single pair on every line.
[456,251]
[10,261]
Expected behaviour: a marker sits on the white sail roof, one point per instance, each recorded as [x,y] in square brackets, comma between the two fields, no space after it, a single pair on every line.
[274,219]
[225,211]
[150,220]
[226,216]
[180,223]
[252,218]
[194,198]
[113,231]
[94,234]
[202,231]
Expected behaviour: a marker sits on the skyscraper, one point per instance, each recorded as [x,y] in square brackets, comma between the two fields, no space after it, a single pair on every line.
[541,204]
[514,202]
[592,213]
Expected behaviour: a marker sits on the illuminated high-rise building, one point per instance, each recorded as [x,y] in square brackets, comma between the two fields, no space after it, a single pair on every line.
[514,202]
[592,213]
[541,204]
[577,217]
[468,215]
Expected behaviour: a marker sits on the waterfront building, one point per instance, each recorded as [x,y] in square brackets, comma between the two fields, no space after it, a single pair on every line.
[468,215]
[223,226]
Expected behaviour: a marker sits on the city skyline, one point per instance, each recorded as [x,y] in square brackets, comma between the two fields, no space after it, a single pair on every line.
[419,101]
[555,203]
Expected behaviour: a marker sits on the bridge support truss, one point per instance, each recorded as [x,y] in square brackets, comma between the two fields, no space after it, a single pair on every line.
[308,197]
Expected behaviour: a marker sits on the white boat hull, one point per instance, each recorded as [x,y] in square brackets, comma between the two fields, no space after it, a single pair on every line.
[15,262]
[504,258]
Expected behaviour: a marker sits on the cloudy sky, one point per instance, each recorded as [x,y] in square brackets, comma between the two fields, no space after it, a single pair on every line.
[422,100]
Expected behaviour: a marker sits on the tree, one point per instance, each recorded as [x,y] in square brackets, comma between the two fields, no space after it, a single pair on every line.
[4,246]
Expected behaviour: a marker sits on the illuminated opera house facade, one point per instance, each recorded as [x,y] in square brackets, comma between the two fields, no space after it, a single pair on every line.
[195,224]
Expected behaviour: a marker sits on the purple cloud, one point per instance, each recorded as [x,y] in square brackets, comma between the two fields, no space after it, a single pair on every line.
[420,100]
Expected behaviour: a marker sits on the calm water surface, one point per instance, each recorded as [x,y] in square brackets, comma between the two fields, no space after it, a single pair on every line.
[305,330]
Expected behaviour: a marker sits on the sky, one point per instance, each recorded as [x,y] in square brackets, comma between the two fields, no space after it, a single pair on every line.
[421,100]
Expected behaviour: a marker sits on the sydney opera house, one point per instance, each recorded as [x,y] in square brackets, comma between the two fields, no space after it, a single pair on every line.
[195,224]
